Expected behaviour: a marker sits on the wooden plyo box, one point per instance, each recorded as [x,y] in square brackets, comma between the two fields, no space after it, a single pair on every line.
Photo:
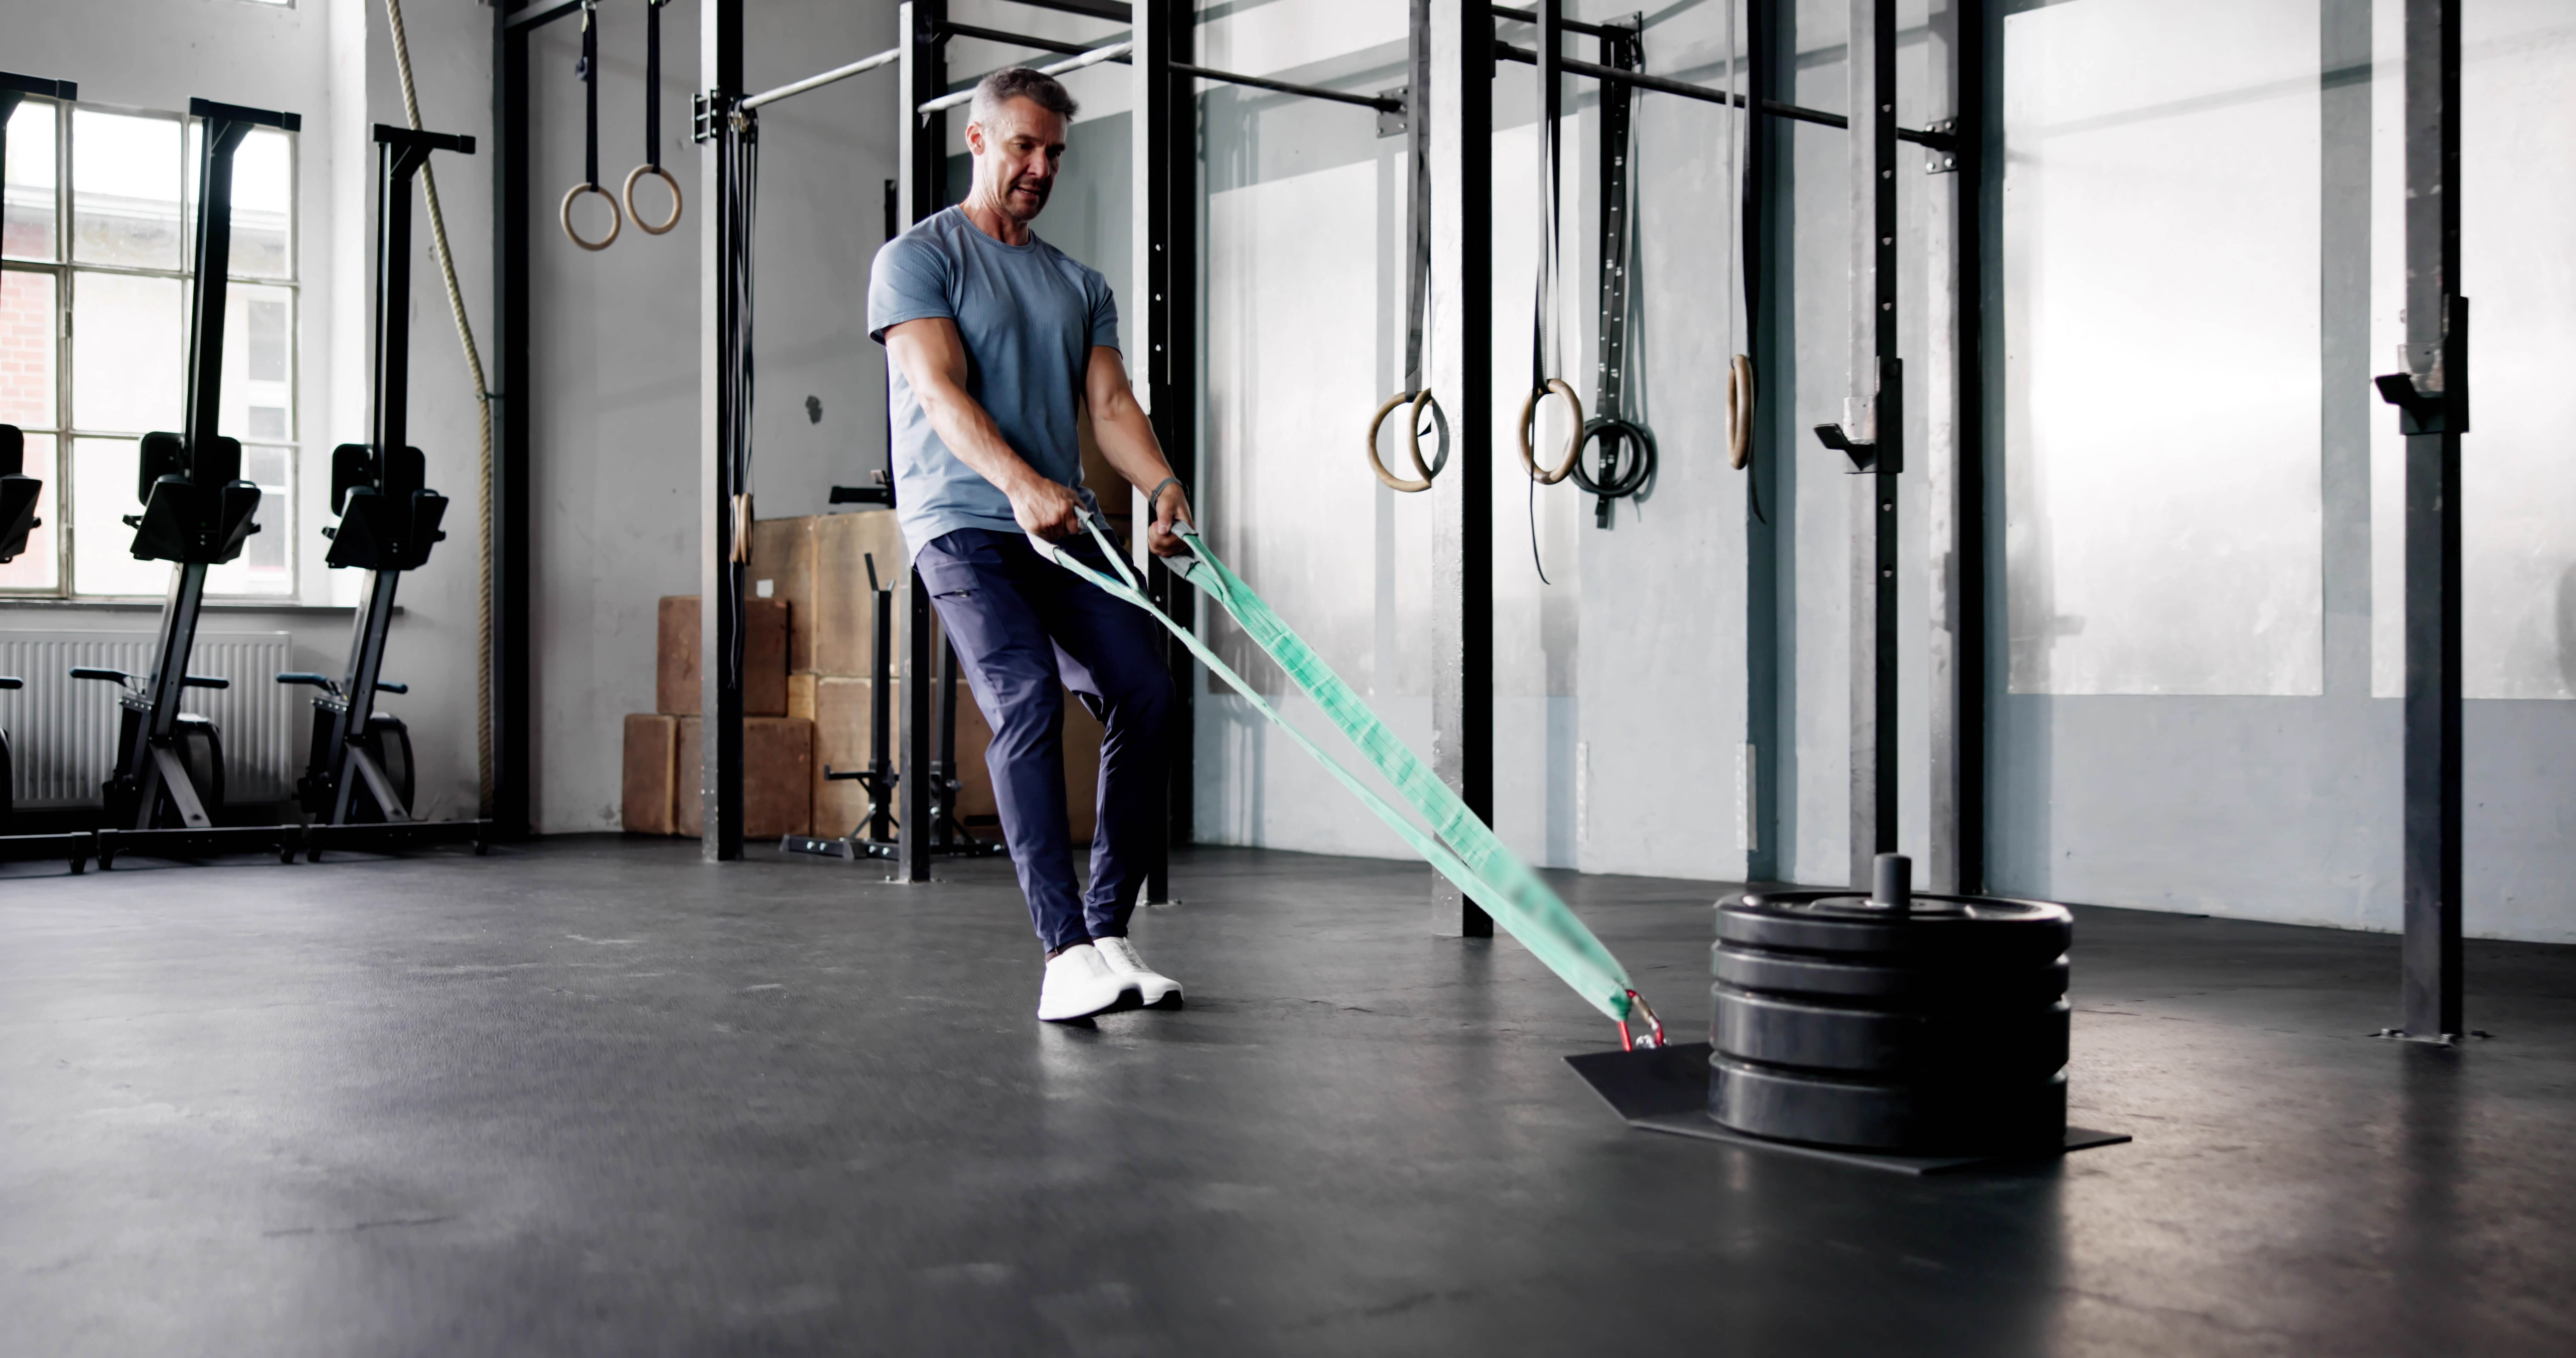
[782,568]
[676,672]
[651,791]
[777,778]
[840,626]
[818,566]
[838,707]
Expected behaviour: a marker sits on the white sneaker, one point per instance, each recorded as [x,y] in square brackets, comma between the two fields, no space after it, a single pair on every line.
[1079,984]
[1151,986]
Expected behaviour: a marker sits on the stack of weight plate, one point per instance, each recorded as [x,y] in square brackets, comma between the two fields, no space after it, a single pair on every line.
[1937,1026]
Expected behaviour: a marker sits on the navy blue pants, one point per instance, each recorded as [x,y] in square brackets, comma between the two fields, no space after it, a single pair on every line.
[1026,630]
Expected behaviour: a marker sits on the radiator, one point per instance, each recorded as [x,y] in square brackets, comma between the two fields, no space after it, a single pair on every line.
[62,731]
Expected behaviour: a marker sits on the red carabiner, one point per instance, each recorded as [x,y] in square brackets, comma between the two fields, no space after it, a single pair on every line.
[1653,1037]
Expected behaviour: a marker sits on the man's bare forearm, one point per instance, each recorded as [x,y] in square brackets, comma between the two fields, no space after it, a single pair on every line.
[1119,426]
[1127,439]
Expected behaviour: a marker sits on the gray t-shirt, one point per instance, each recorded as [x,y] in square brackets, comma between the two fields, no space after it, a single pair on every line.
[1029,317]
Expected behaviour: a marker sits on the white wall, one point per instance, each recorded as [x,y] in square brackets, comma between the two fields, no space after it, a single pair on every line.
[1620,700]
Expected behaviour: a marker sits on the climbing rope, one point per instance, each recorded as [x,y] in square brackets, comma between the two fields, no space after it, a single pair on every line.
[483,409]
[1465,850]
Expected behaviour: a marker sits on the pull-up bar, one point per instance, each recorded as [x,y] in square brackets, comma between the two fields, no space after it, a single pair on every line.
[1379,102]
[1116,51]
[1938,141]
[888,57]
[815,82]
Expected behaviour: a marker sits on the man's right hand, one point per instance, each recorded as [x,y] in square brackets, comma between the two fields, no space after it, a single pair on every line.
[1046,509]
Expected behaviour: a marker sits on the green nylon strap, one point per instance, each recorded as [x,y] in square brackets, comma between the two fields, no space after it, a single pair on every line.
[1472,857]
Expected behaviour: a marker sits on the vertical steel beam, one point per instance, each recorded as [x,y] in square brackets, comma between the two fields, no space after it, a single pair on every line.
[1873,431]
[1771,471]
[1460,107]
[1165,342]
[1966,587]
[509,807]
[719,426]
[2434,395]
[1952,529]
[920,175]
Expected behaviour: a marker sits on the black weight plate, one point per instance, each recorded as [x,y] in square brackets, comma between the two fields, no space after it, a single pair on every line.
[1955,1118]
[1963,982]
[1839,923]
[1862,1037]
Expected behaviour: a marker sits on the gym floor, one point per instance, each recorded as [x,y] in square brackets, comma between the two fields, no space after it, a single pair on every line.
[590,1096]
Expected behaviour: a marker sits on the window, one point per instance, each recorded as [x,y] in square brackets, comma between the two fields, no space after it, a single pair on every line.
[96,222]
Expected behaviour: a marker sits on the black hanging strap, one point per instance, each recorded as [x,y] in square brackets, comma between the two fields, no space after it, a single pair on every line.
[589,71]
[653,83]
[1625,448]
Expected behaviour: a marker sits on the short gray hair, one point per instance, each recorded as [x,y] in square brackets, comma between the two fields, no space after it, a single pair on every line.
[1021,82]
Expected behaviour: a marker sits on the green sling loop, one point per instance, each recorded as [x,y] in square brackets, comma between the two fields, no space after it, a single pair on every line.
[1472,857]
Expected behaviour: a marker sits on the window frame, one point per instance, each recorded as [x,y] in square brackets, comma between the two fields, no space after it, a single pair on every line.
[65,271]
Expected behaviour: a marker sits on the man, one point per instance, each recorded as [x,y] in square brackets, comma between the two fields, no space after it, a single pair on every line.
[997,342]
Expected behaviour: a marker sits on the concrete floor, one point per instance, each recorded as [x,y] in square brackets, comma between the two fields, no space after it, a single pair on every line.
[593,1097]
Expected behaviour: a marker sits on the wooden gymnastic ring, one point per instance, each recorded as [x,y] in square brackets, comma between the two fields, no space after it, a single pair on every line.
[1573,442]
[1389,479]
[640,224]
[1739,412]
[616,219]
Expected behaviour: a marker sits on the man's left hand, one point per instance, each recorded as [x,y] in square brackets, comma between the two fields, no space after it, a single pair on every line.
[1169,508]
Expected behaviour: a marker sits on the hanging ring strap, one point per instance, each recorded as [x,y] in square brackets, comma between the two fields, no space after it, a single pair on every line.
[1739,412]
[589,69]
[1543,302]
[652,127]
[1417,309]
[1415,402]
[1573,441]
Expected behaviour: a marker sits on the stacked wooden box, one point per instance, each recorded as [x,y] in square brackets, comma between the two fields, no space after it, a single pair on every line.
[812,574]
[662,794]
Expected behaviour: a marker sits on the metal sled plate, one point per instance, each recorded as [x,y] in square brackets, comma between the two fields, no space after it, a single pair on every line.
[395,837]
[1665,1089]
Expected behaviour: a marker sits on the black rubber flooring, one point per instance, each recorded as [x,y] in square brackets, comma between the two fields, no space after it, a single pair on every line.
[595,1097]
